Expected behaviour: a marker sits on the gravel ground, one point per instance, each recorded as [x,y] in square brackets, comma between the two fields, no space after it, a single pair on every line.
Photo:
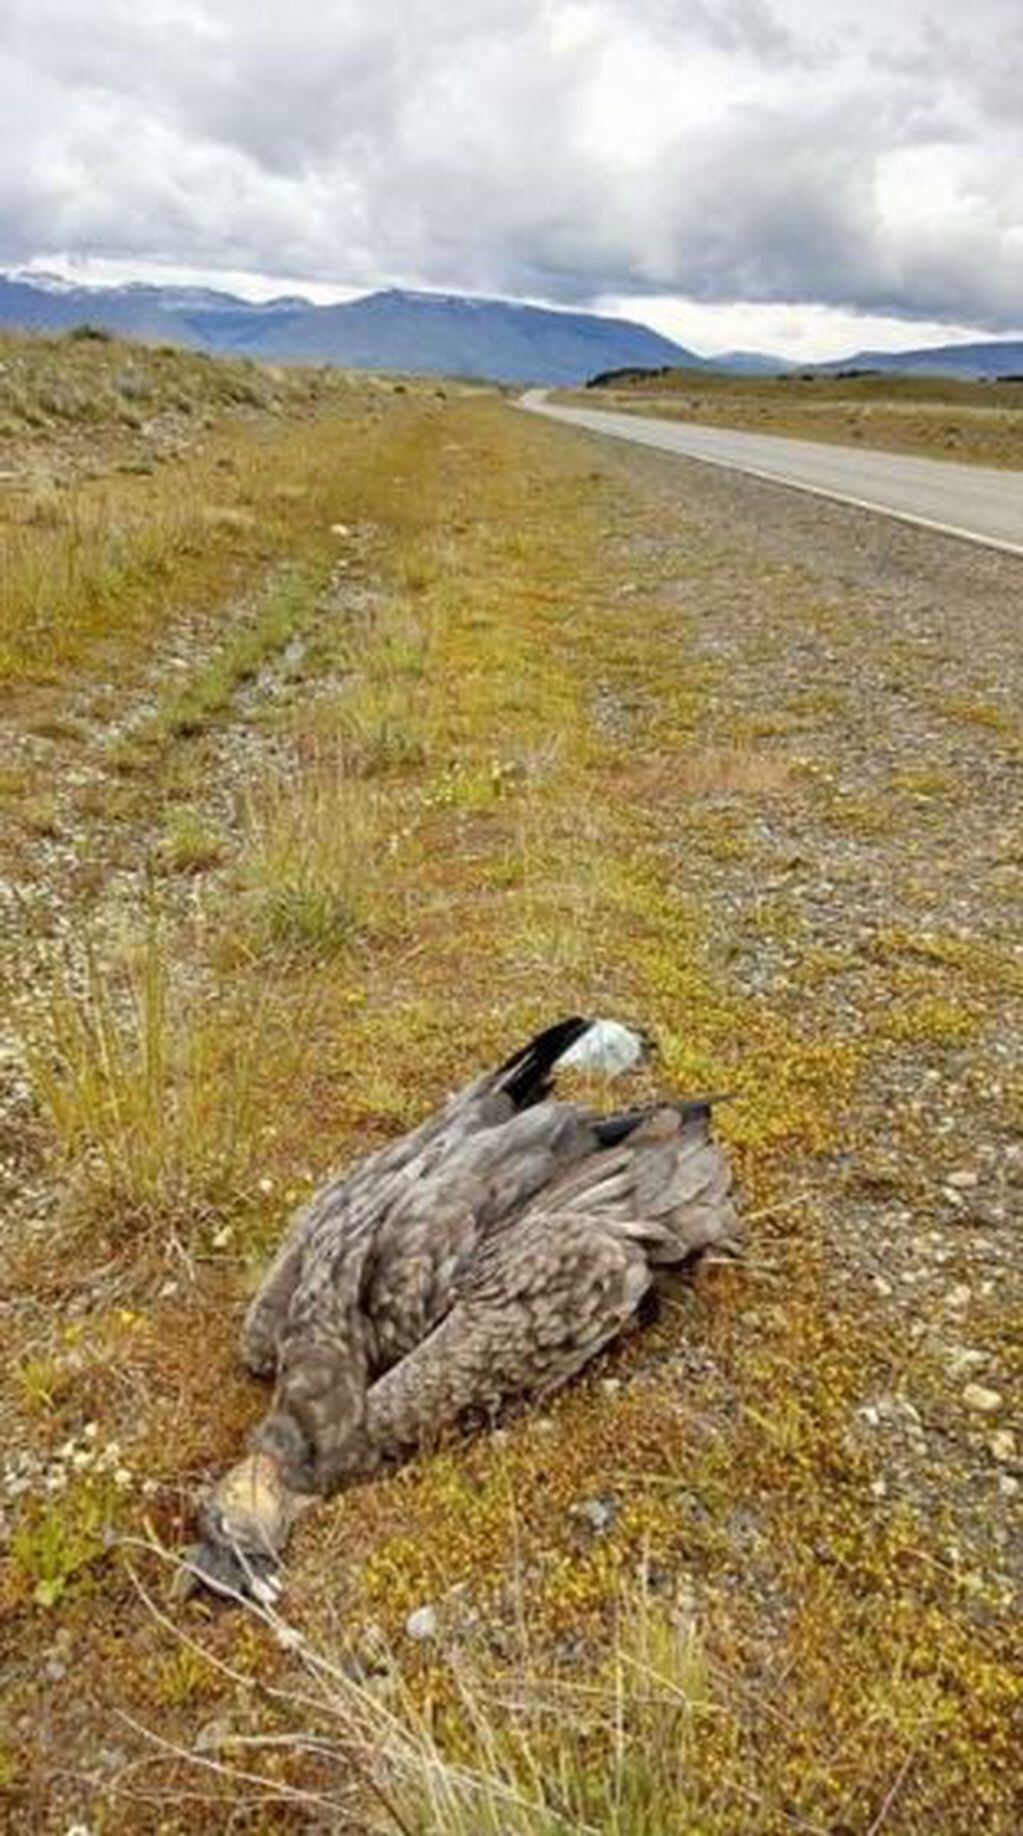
[878,901]
[849,841]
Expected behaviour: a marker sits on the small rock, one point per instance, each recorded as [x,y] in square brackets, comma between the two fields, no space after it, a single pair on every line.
[213,1735]
[1003,1445]
[964,1358]
[963,1180]
[658,1580]
[598,1514]
[982,1400]
[422,1624]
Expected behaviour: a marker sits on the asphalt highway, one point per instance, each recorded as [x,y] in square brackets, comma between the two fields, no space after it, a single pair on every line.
[976,502]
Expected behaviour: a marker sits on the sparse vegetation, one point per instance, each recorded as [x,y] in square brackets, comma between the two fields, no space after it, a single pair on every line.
[56,1544]
[190,844]
[473,788]
[153,1097]
[939,416]
[108,534]
[314,860]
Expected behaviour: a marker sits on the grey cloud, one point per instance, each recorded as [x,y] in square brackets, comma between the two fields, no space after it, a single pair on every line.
[839,151]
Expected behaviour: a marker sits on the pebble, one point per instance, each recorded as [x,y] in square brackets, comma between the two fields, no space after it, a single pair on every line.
[422,1624]
[982,1400]
[964,1358]
[963,1180]
[214,1735]
[597,1513]
[1003,1445]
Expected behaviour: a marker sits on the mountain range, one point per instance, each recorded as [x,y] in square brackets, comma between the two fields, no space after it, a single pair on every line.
[1002,357]
[392,330]
[448,334]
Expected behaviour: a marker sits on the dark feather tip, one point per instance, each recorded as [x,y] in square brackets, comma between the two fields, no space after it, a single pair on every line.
[230,1573]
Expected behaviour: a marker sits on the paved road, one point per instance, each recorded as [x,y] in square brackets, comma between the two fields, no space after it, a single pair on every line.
[974,501]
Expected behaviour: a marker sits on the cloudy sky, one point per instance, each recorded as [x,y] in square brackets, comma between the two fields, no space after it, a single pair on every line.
[797,175]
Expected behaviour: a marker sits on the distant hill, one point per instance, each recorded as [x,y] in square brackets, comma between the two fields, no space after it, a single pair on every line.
[134,312]
[393,330]
[999,358]
[751,363]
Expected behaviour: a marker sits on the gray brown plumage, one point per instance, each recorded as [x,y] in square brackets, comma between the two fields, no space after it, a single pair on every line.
[487,1255]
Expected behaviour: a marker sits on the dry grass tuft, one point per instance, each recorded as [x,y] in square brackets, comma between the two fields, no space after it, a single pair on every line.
[155,1098]
[515,1749]
[190,844]
[314,864]
[729,770]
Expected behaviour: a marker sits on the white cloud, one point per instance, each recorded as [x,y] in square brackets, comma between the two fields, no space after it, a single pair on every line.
[800,332]
[861,159]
